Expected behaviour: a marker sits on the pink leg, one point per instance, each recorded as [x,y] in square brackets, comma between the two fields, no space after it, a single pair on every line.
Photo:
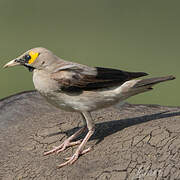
[80,150]
[67,143]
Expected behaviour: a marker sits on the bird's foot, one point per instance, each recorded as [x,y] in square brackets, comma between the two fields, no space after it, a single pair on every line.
[67,143]
[71,160]
[62,147]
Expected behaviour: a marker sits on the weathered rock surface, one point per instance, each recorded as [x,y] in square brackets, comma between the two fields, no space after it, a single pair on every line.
[134,142]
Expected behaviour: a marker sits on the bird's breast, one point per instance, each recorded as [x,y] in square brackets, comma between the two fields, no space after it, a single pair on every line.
[50,90]
[43,82]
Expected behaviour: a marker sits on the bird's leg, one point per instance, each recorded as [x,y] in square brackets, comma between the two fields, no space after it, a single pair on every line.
[67,142]
[80,151]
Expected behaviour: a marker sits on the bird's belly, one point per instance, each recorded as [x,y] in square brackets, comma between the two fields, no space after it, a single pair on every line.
[86,101]
[58,101]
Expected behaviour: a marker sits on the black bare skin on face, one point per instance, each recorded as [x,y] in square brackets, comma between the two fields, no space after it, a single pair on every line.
[27,58]
[30,68]
[24,62]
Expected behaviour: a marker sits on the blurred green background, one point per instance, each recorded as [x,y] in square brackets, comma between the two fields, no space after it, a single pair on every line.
[133,35]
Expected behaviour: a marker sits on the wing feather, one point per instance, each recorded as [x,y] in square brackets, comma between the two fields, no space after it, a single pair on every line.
[80,77]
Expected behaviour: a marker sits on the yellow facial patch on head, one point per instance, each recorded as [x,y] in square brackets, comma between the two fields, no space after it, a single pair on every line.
[33,56]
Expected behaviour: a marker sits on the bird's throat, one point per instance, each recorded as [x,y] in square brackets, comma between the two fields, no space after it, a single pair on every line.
[30,68]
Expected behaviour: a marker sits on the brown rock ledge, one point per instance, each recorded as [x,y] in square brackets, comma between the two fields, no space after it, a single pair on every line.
[134,142]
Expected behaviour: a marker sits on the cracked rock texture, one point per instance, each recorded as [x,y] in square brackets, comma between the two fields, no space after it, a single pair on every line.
[133,142]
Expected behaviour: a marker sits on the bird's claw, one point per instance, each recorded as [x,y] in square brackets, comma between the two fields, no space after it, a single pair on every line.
[62,147]
[72,159]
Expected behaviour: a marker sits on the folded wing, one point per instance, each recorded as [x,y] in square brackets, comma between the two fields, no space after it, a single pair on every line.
[80,77]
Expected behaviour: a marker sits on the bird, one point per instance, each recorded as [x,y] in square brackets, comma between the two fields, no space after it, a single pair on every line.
[80,88]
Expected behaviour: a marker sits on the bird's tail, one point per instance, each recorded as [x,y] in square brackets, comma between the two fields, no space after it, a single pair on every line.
[133,87]
[148,83]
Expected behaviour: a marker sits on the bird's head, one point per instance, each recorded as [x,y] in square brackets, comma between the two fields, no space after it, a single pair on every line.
[36,58]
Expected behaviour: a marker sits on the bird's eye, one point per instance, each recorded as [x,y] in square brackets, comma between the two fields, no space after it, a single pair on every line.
[27,57]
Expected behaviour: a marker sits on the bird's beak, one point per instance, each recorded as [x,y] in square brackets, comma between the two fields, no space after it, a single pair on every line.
[14,62]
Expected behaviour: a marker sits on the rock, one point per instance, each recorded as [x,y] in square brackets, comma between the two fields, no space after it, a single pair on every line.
[134,142]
